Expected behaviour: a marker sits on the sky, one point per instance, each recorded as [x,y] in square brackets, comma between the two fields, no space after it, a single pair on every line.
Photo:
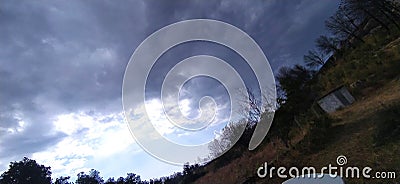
[62,66]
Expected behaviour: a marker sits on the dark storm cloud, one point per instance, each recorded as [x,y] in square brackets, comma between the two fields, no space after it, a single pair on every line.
[281,28]
[54,59]
[57,54]
[61,58]
[284,30]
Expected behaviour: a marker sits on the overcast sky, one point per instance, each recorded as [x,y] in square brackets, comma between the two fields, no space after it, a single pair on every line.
[62,67]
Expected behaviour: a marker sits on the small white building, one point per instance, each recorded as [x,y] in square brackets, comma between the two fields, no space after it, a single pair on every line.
[337,98]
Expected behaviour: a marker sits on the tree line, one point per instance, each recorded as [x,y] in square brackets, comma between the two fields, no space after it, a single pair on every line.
[352,21]
[28,171]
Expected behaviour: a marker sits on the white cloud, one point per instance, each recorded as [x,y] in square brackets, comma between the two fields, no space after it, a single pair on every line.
[90,137]
[184,106]
[163,126]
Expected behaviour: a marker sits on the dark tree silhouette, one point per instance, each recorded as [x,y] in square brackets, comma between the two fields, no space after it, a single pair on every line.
[132,178]
[110,181]
[314,59]
[92,178]
[327,45]
[63,180]
[297,97]
[343,25]
[253,113]
[120,180]
[383,11]
[293,80]
[26,171]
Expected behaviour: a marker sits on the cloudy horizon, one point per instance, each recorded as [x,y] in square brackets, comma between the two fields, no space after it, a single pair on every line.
[62,68]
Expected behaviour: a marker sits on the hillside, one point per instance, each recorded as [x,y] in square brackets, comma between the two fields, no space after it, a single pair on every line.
[366,132]
[352,135]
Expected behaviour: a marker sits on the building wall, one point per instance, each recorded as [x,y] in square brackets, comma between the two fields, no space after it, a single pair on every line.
[347,95]
[335,100]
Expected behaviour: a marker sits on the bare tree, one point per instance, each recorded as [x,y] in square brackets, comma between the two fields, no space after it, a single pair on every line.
[383,11]
[314,59]
[342,26]
[327,45]
[254,105]
[226,138]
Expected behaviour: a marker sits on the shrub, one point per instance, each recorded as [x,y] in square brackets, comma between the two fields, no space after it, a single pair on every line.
[388,126]
[318,136]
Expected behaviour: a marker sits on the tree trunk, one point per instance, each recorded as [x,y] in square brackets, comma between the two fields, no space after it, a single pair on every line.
[376,19]
[386,11]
